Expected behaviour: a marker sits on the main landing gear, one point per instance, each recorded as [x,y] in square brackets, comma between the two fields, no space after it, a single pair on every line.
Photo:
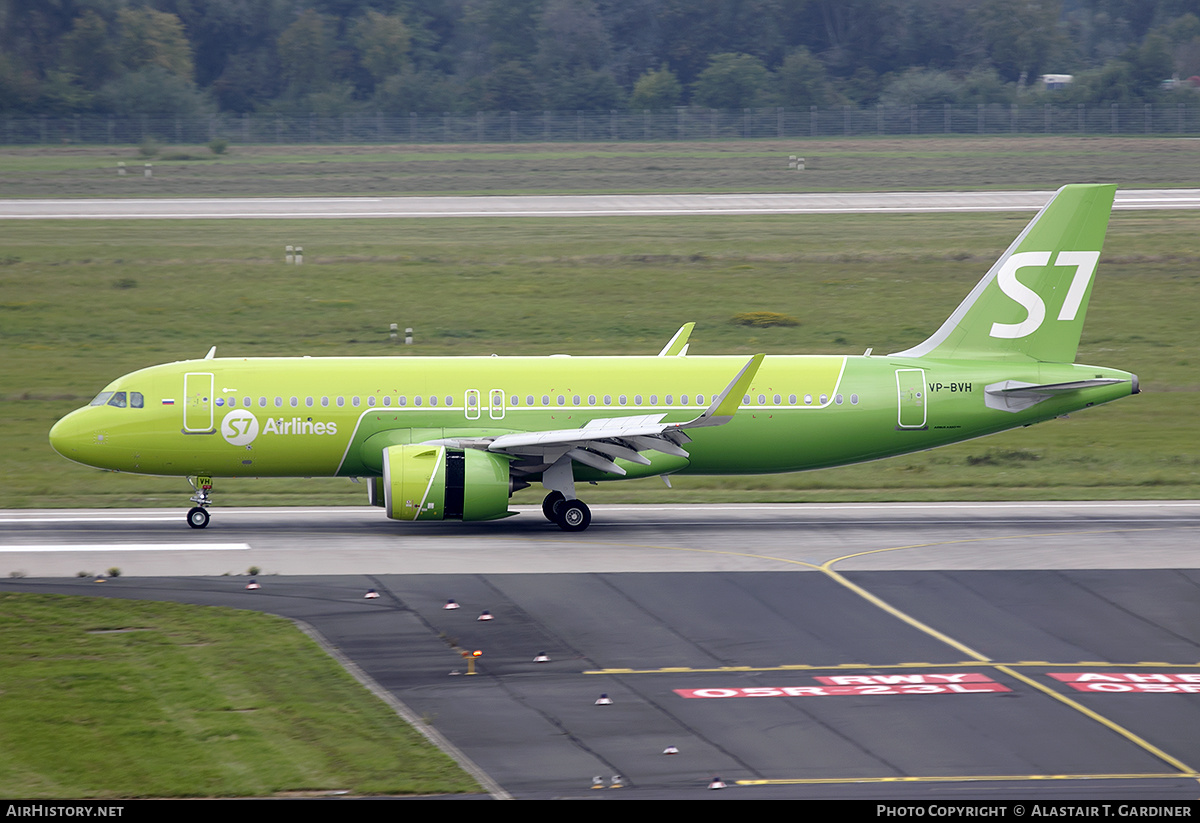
[197,516]
[570,515]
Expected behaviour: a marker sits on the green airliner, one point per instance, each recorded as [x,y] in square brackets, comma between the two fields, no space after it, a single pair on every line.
[453,438]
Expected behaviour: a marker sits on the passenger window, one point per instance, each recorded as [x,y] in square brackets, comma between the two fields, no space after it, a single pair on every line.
[118,400]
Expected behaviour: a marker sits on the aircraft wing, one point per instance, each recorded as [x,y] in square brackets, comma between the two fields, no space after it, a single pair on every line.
[599,442]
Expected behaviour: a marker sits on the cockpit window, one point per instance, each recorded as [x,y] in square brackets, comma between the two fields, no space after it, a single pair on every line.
[101,398]
[118,400]
[136,400]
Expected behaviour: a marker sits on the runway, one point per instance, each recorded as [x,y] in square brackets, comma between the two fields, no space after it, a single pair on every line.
[915,651]
[569,205]
[645,538]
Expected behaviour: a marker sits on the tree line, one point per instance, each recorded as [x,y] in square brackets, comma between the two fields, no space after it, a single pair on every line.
[338,57]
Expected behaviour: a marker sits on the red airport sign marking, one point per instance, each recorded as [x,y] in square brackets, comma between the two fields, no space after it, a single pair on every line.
[865,684]
[1130,682]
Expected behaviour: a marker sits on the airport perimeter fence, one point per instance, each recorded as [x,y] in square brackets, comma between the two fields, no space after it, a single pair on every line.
[682,123]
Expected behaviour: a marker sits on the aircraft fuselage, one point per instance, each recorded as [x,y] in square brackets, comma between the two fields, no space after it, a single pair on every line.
[301,417]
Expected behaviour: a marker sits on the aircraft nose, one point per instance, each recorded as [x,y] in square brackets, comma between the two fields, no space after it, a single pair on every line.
[67,436]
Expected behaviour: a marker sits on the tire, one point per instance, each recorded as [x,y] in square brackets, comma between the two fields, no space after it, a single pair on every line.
[552,501]
[197,517]
[574,516]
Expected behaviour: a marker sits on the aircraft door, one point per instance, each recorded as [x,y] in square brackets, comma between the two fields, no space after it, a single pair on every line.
[911,391]
[197,402]
[496,406]
[471,406]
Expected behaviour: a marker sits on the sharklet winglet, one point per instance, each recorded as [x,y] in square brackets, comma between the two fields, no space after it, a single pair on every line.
[725,404]
[677,346]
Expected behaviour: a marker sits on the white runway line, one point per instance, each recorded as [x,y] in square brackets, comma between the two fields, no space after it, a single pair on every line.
[132,547]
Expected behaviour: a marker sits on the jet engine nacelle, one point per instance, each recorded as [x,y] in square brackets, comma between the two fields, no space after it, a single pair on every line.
[429,482]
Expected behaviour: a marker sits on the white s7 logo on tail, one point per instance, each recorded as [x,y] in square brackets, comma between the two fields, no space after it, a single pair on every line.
[1085,266]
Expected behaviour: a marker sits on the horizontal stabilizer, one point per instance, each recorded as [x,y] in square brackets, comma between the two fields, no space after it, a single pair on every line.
[1015,395]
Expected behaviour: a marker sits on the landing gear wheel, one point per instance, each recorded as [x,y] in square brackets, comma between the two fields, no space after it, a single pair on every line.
[574,516]
[197,517]
[553,500]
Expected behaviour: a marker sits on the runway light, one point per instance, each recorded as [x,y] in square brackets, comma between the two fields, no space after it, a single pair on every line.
[670,750]
[604,700]
[617,782]
[485,616]
[371,595]
[450,605]
[542,657]
[253,586]
[597,782]
[716,783]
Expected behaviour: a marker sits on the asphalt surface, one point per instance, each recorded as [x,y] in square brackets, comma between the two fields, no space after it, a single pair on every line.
[569,205]
[912,651]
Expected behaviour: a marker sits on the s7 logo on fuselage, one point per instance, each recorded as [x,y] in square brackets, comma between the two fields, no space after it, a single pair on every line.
[1085,266]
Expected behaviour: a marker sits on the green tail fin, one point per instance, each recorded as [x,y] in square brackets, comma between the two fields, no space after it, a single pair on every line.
[1031,303]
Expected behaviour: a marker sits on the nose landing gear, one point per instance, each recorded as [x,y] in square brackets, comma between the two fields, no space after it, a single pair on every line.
[197,516]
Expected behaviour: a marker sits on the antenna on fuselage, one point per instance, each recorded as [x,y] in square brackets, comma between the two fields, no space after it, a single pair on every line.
[211,353]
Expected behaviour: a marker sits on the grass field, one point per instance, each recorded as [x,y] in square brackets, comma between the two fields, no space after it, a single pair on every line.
[852,164]
[119,699]
[83,302]
[130,699]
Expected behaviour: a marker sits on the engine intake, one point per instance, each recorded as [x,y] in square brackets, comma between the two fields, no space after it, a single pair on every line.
[428,482]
